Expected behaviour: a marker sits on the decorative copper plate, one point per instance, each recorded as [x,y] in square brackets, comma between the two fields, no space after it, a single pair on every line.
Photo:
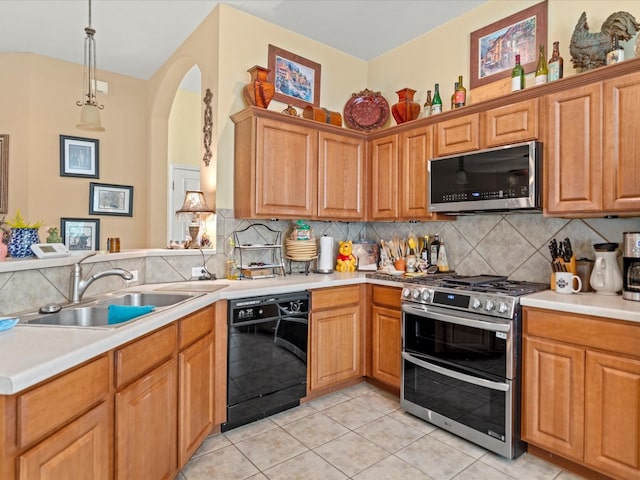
[366,110]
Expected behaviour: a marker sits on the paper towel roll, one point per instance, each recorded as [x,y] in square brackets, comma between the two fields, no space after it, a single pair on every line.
[325,260]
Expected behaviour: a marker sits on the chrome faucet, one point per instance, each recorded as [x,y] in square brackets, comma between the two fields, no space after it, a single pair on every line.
[79,285]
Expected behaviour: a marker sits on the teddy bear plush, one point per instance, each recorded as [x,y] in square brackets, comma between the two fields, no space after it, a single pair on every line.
[346,259]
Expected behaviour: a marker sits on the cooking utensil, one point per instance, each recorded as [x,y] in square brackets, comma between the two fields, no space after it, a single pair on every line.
[568,250]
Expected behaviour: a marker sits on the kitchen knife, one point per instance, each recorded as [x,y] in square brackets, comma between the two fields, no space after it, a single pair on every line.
[568,250]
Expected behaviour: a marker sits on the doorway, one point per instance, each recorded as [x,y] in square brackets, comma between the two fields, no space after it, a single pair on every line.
[181,179]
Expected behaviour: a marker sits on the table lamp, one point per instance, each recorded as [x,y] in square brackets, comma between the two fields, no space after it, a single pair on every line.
[196,205]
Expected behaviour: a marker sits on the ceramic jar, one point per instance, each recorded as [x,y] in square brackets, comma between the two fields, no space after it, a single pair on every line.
[21,241]
[406,109]
[606,277]
[259,91]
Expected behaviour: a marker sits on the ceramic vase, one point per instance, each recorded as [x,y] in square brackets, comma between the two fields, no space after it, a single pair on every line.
[21,241]
[406,109]
[259,91]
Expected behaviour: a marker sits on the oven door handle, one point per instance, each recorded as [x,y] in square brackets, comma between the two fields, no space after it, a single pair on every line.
[451,318]
[503,387]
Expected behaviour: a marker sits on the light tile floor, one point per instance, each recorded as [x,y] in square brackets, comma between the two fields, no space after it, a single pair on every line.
[358,433]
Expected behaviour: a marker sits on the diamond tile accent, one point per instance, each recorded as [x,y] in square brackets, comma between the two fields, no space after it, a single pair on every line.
[504,249]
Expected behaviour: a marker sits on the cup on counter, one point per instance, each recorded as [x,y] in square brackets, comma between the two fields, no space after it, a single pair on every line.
[565,282]
[113,244]
[400,264]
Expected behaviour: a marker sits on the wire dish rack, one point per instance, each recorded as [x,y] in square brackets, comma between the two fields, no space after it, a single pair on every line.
[259,251]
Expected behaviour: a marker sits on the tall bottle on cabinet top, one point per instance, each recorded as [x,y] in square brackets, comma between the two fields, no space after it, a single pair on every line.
[427,104]
[616,52]
[406,109]
[460,95]
[259,91]
[436,105]
[517,76]
[556,64]
[542,72]
[453,95]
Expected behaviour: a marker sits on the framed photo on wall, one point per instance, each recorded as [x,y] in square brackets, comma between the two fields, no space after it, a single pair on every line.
[80,234]
[105,199]
[296,79]
[494,47]
[79,157]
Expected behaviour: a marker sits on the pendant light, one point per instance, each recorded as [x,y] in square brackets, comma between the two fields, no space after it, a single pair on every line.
[90,113]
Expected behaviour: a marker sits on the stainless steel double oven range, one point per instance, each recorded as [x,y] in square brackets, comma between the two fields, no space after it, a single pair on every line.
[461,354]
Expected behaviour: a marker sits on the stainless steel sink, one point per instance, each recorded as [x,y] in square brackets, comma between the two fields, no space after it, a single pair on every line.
[95,314]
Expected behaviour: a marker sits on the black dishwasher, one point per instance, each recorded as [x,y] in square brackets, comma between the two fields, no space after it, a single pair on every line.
[267,356]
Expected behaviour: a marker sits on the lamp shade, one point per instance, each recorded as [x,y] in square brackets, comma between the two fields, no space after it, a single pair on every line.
[194,202]
[90,118]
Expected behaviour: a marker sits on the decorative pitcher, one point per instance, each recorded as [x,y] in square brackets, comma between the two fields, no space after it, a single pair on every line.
[606,277]
[406,109]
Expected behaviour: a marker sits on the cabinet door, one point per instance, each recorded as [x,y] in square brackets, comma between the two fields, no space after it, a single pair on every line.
[82,449]
[416,148]
[573,151]
[341,171]
[196,397]
[613,415]
[458,135]
[286,169]
[622,144]
[513,123]
[386,345]
[147,426]
[383,179]
[553,397]
[335,346]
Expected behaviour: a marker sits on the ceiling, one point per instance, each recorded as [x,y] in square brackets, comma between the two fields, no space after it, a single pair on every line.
[135,37]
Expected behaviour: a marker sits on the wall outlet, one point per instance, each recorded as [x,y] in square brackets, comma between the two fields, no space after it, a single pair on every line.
[196,272]
[135,276]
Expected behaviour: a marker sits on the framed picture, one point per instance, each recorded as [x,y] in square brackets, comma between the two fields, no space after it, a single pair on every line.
[4,173]
[296,79]
[494,47]
[79,157]
[107,199]
[80,234]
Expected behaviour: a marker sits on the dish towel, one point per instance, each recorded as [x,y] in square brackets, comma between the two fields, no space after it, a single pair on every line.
[122,313]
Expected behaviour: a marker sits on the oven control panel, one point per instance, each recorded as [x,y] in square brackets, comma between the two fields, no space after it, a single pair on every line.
[485,303]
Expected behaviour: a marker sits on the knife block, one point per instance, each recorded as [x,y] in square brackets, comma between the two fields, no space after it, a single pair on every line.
[571,267]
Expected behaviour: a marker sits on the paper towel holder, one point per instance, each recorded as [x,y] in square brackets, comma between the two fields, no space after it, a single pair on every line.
[325,259]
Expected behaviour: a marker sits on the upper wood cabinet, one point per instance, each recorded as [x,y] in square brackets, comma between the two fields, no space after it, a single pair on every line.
[458,135]
[287,167]
[416,148]
[514,123]
[383,183]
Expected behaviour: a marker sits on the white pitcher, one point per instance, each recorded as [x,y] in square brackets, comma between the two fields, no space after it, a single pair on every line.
[606,277]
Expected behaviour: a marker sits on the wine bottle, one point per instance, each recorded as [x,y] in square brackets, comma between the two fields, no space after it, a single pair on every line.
[460,94]
[453,95]
[433,250]
[556,64]
[517,76]
[424,253]
[436,105]
[616,52]
[427,104]
[542,72]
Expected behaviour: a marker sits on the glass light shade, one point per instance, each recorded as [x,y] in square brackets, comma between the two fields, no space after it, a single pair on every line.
[90,118]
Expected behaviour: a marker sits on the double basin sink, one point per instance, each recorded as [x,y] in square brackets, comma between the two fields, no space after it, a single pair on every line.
[96,314]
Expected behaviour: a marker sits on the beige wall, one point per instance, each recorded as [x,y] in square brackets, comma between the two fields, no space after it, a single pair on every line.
[185,125]
[442,54]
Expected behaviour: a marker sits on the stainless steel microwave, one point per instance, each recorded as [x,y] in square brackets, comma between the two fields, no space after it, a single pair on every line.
[493,180]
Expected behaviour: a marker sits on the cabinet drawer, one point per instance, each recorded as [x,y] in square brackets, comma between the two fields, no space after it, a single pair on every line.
[334,297]
[387,296]
[596,332]
[51,405]
[196,326]
[141,356]
[512,123]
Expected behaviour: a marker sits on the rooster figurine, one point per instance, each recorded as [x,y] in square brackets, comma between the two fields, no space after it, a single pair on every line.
[589,50]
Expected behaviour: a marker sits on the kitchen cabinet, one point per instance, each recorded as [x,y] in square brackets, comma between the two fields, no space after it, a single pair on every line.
[386,342]
[287,167]
[581,390]
[335,336]
[457,135]
[384,168]
[513,123]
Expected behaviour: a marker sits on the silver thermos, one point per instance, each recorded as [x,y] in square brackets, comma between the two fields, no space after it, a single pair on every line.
[631,266]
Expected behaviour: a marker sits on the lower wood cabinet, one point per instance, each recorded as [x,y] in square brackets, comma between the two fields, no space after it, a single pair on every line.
[581,390]
[335,336]
[386,341]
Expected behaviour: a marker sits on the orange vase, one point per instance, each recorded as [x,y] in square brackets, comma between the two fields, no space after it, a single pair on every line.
[259,91]
[406,109]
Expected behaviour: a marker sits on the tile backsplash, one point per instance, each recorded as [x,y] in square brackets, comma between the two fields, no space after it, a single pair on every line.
[513,245]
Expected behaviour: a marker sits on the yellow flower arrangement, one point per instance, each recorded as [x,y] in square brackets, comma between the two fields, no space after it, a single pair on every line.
[19,222]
